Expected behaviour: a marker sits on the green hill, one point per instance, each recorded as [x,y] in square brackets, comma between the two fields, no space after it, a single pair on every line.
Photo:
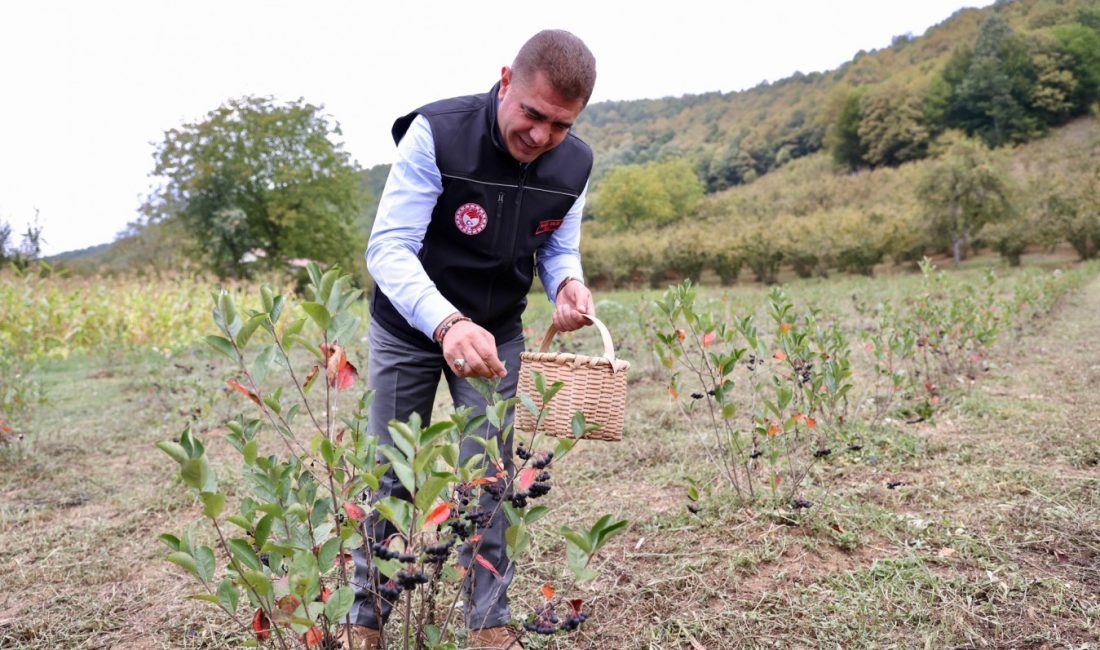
[732,138]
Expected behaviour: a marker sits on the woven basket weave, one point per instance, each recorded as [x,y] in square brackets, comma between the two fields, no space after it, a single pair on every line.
[595,386]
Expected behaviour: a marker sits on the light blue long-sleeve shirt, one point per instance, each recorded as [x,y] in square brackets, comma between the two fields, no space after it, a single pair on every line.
[404,212]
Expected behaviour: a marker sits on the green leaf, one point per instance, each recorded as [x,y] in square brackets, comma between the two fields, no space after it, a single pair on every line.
[210,598]
[175,450]
[518,540]
[228,595]
[400,467]
[195,472]
[184,560]
[577,539]
[249,329]
[428,492]
[339,604]
[263,529]
[536,513]
[318,313]
[223,345]
[213,504]
[172,541]
[262,363]
[327,555]
[244,554]
[251,448]
[204,563]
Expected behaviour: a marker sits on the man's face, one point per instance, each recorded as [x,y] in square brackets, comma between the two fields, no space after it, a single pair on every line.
[533,117]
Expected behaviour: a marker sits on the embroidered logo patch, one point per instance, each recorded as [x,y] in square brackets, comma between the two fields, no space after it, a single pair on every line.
[549,226]
[471,218]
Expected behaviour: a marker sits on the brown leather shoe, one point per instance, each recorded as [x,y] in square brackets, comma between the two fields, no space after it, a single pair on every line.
[362,638]
[494,638]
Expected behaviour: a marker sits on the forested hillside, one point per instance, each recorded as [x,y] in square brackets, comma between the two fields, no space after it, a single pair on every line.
[1006,73]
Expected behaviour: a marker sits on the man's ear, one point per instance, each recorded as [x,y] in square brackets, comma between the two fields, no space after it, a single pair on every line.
[505,81]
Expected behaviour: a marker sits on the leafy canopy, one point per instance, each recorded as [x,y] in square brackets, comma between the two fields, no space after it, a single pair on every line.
[262,178]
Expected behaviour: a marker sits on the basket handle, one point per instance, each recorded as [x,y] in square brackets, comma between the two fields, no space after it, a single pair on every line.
[608,347]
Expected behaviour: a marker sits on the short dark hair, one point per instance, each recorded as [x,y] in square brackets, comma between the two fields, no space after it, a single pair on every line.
[565,60]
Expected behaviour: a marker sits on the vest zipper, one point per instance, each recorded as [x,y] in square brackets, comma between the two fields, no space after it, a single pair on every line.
[500,227]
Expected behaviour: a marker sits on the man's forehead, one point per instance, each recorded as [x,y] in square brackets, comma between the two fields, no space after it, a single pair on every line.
[540,95]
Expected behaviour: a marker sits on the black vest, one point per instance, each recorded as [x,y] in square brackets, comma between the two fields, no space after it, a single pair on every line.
[492,216]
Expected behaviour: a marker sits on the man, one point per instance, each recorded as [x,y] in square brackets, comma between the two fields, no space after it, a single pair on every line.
[485,188]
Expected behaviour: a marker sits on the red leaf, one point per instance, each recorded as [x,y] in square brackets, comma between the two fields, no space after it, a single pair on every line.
[326,593]
[487,564]
[341,374]
[780,356]
[355,511]
[287,604]
[548,591]
[233,383]
[811,423]
[313,637]
[261,626]
[837,528]
[576,605]
[709,338]
[785,327]
[474,539]
[527,478]
[441,514]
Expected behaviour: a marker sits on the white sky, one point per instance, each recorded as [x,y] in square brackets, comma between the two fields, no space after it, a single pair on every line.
[87,88]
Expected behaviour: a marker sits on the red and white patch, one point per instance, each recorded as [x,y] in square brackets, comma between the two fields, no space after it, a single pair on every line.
[471,218]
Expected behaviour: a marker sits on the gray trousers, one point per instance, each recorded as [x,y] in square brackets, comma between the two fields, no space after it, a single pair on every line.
[405,378]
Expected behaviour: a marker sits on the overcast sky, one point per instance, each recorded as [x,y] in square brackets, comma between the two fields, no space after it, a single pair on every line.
[87,88]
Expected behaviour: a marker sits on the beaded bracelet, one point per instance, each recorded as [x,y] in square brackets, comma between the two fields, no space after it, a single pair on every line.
[446,327]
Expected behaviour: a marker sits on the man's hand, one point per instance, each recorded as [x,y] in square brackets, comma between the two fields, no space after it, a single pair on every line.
[476,348]
[573,303]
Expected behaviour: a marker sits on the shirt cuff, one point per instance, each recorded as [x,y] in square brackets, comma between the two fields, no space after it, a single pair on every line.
[555,271]
[430,312]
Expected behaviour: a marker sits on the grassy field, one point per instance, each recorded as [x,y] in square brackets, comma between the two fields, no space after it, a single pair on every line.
[989,537]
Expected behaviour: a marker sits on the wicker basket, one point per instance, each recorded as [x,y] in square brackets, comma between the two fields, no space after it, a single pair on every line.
[595,386]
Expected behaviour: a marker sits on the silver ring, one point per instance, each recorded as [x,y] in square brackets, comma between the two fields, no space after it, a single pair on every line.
[460,363]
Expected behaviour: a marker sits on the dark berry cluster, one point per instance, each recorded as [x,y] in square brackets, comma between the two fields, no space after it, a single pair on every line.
[855,447]
[694,508]
[495,489]
[407,580]
[478,517]
[756,453]
[573,621]
[545,621]
[823,452]
[523,453]
[892,485]
[543,460]
[802,368]
[801,504]
[438,553]
[460,529]
[753,362]
[389,590]
[383,553]
[696,396]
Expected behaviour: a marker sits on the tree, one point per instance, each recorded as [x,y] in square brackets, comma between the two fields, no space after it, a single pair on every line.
[962,191]
[652,194]
[258,177]
[992,86]
[842,139]
[891,128]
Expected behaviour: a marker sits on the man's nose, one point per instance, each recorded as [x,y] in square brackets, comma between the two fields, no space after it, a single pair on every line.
[540,134]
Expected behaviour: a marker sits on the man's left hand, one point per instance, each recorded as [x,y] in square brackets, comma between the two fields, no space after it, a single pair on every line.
[573,303]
